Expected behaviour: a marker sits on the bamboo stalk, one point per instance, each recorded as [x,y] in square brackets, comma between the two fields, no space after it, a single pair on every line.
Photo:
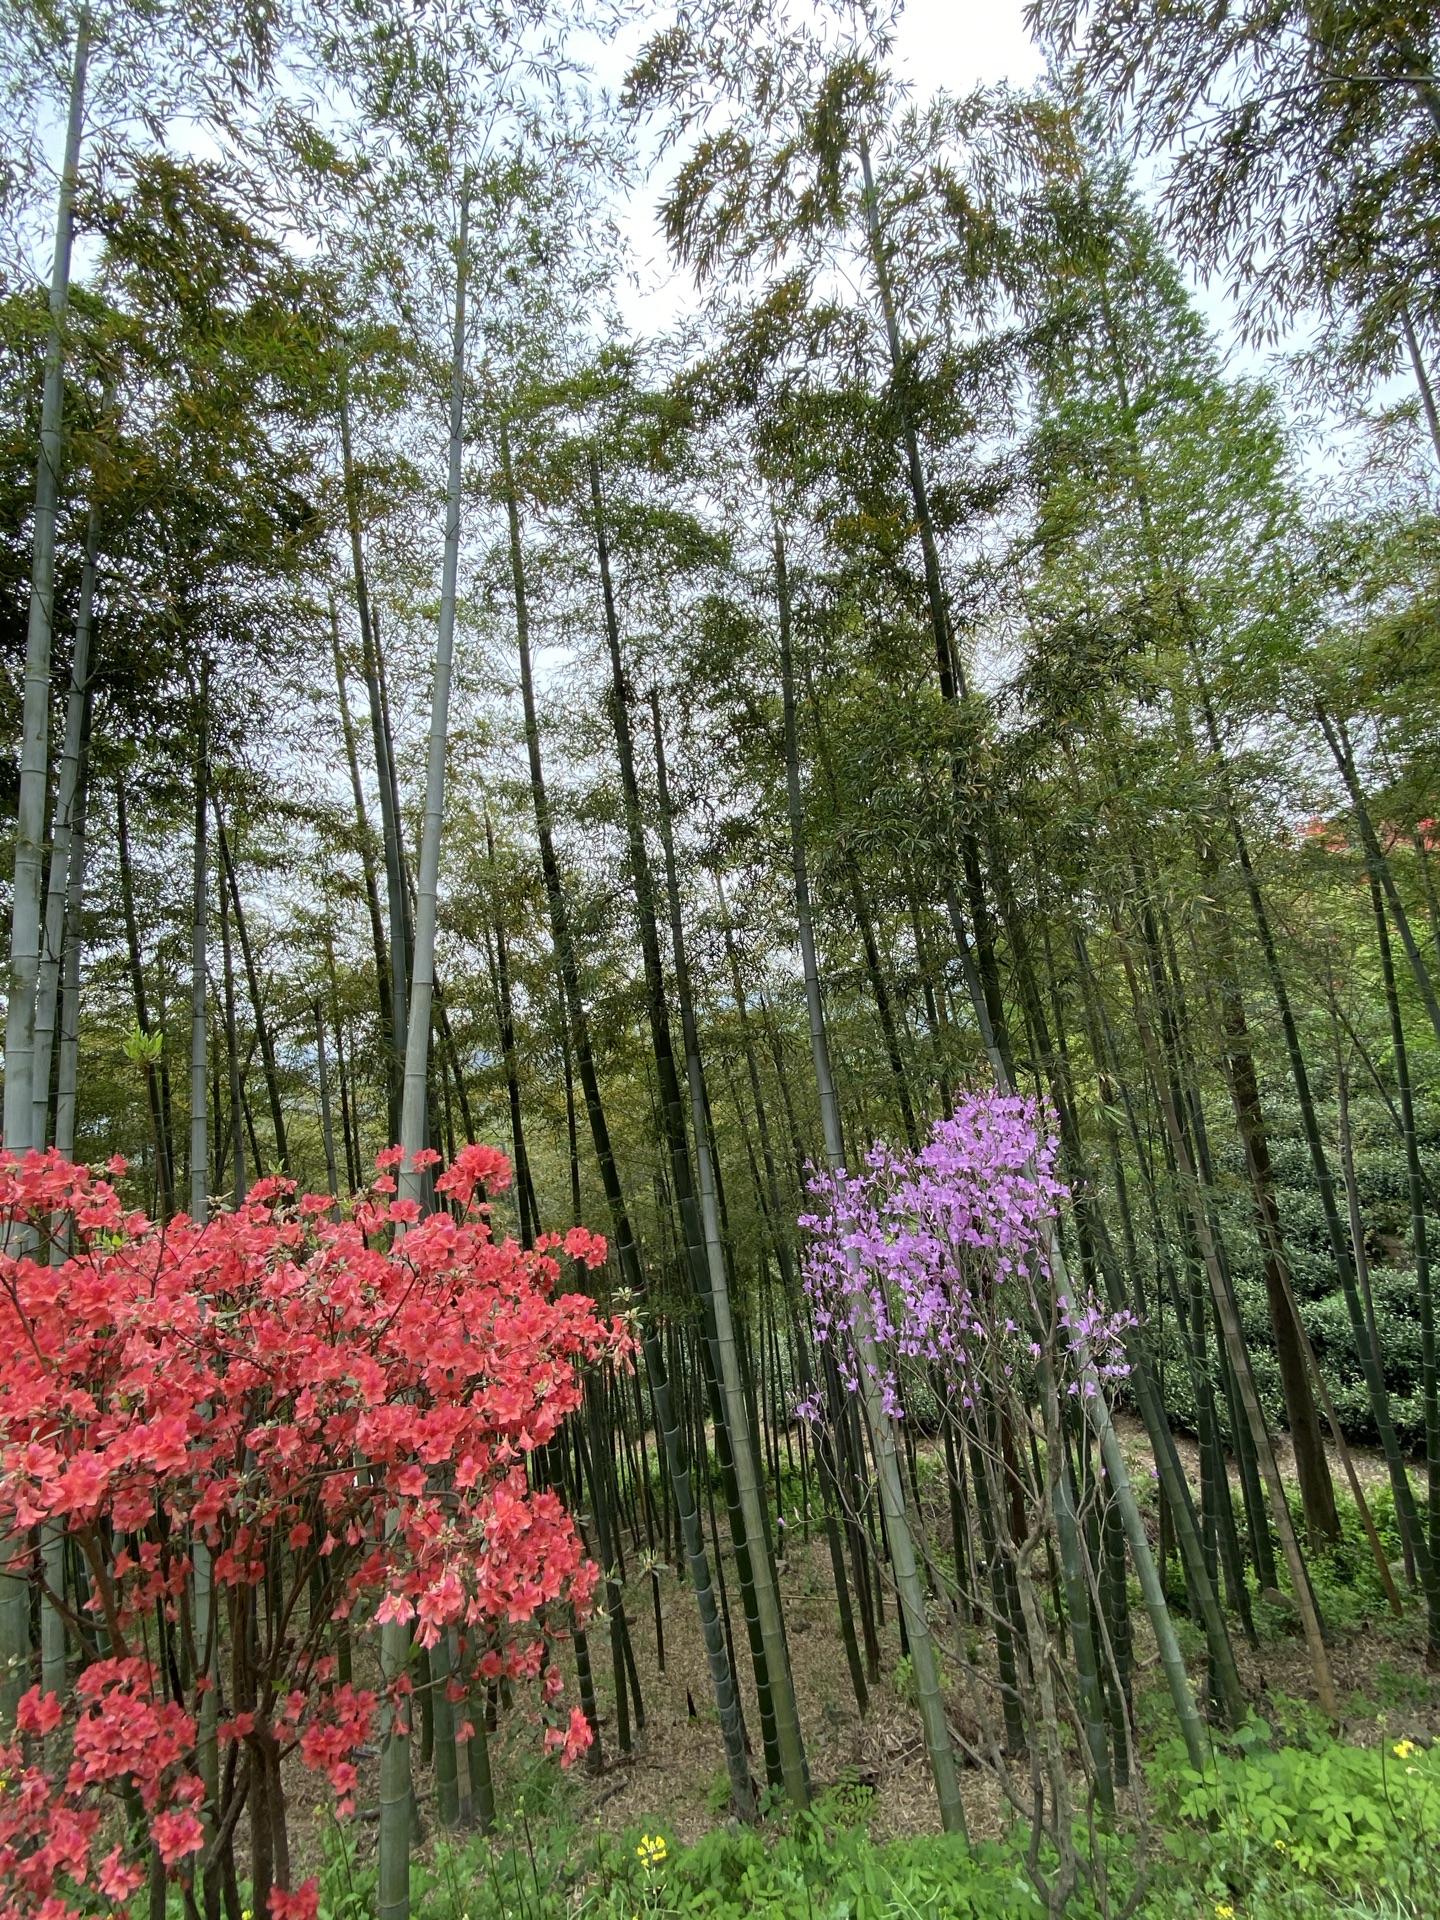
[892,1493]
[718,1658]
[1239,1361]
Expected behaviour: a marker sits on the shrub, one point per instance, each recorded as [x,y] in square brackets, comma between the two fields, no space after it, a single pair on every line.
[1326,1817]
[339,1411]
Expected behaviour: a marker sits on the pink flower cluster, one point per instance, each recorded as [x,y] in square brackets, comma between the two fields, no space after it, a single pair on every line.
[942,1257]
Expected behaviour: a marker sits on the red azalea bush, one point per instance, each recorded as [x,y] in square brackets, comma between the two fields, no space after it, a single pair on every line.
[340,1412]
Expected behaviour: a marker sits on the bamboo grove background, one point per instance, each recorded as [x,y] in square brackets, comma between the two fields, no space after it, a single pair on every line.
[932,668]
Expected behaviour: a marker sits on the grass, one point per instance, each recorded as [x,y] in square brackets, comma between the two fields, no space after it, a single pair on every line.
[1291,1824]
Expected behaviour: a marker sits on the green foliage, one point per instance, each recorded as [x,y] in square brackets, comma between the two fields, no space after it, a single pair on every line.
[1347,1581]
[1306,1820]
[849,1803]
[827,1865]
[1288,1823]
[841,1871]
[1396,1688]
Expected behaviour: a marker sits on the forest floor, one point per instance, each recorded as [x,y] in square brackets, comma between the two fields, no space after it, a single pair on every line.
[675,1775]
[673,1778]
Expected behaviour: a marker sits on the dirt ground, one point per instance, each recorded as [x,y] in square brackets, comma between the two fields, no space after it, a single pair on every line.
[674,1775]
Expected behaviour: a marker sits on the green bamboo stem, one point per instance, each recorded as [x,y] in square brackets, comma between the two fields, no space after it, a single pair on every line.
[794,1772]
[887,1470]
[1077,1606]
[627,1255]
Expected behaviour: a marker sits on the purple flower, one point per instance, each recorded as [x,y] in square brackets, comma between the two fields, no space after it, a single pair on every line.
[940,1260]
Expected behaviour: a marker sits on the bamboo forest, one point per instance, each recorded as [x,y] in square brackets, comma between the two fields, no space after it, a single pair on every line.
[719,752]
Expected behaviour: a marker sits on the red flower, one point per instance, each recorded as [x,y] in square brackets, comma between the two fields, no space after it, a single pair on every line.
[302,1904]
[39,1712]
[176,1835]
[276,1378]
[475,1166]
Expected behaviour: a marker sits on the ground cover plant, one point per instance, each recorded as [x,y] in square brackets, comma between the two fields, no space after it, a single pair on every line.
[1311,1828]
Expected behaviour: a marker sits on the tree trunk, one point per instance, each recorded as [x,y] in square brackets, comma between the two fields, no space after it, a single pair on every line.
[1419,1244]
[406,927]
[447,1771]
[824,1451]
[1096,1406]
[529,1224]
[327,1123]
[1422,379]
[232,1055]
[767,1595]
[422,985]
[384,776]
[933,988]
[1376,865]
[627,1255]
[349,1118]
[137,988]
[672,1116]
[1077,1606]
[1184,1087]
[865,927]
[1240,1362]
[396,1792]
[1317,1492]
[252,981]
[949,668]
[367,857]
[68,1074]
[48,980]
[199,1071]
[29,866]
[887,1468]
[395,1787]
[1370,1363]
[1149,1393]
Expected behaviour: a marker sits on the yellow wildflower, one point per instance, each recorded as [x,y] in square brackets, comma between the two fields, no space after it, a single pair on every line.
[1223,1912]
[650,1852]
[1403,1749]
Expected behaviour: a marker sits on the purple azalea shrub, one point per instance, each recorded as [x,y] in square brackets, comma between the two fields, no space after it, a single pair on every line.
[942,1257]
